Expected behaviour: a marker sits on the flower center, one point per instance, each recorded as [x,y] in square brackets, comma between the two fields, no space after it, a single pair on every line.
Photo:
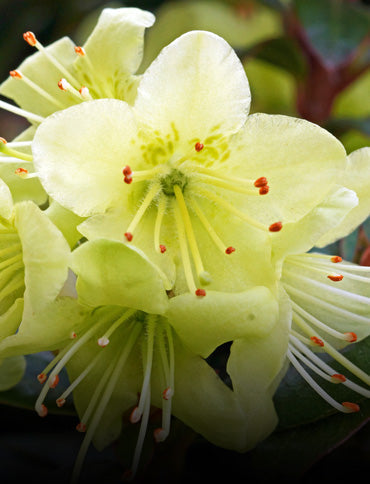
[182,194]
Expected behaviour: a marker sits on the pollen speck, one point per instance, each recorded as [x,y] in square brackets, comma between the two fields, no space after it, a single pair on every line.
[260,182]
[317,341]
[129,236]
[335,277]
[276,227]
[200,292]
[229,250]
[199,146]
[336,259]
[30,38]
[162,248]
[351,406]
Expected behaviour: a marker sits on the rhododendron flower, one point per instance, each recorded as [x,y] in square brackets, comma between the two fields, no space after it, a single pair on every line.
[185,174]
[62,75]
[330,298]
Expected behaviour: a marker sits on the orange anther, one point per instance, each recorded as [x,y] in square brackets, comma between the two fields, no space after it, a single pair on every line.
[60,402]
[351,337]
[336,259]
[335,277]
[3,141]
[129,236]
[42,377]
[80,51]
[30,38]
[167,393]
[276,227]
[162,248]
[43,411]
[135,415]
[128,179]
[200,292]
[260,182]
[15,74]
[62,84]
[264,190]
[54,382]
[127,171]
[199,146]
[338,378]
[21,171]
[317,341]
[229,250]
[159,435]
[81,427]
[351,406]
[84,91]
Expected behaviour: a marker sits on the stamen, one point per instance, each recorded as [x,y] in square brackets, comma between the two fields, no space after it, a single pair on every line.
[21,112]
[206,224]
[104,340]
[353,407]
[335,259]
[200,292]
[81,427]
[225,177]
[159,435]
[203,276]
[42,377]
[219,182]
[149,197]
[261,182]
[31,39]
[60,402]
[276,227]
[65,86]
[199,146]
[264,190]
[21,172]
[5,148]
[113,375]
[35,87]
[351,337]
[140,175]
[142,432]
[42,411]
[229,250]
[228,206]
[338,378]
[80,51]
[54,381]
[85,93]
[317,341]
[335,277]
[162,205]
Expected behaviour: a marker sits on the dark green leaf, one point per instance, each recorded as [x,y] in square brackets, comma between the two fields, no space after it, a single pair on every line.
[335,28]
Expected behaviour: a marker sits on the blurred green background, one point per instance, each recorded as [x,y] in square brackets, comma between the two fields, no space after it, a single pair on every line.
[305,58]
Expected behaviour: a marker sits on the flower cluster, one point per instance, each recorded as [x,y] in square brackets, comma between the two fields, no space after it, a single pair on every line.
[172,222]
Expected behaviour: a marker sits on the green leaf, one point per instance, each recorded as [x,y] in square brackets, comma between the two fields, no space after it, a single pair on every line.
[334,28]
[25,394]
[297,404]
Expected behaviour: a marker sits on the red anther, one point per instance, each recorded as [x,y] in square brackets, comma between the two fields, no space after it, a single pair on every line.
[338,378]
[260,182]
[80,51]
[351,337]
[81,427]
[129,236]
[128,179]
[30,38]
[317,341]
[60,402]
[127,171]
[54,382]
[84,91]
[229,250]
[200,292]
[62,84]
[199,146]
[21,171]
[3,141]
[167,393]
[264,190]
[276,227]
[43,411]
[352,406]
[15,74]
[135,415]
[42,377]
[159,435]
[335,277]
[336,259]
[162,248]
